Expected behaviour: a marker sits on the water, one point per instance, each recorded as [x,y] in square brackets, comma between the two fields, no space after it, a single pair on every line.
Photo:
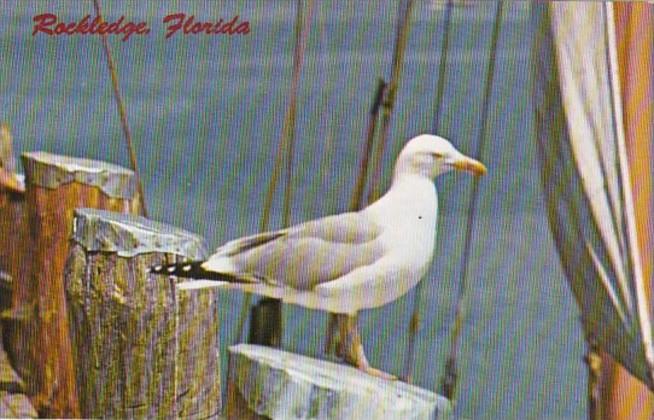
[206,115]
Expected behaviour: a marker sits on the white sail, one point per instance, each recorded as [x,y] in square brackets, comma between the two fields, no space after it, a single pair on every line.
[586,181]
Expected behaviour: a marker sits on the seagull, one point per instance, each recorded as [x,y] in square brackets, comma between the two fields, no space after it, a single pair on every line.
[350,261]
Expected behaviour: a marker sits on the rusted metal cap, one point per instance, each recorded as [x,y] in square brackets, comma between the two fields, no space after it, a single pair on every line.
[129,235]
[51,171]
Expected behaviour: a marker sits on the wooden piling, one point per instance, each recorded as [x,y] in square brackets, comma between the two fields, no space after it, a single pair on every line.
[268,383]
[13,403]
[13,234]
[448,382]
[55,186]
[266,327]
[144,345]
[12,203]
[13,230]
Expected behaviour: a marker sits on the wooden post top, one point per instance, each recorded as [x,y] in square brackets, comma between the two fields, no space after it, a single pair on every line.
[51,171]
[279,384]
[129,235]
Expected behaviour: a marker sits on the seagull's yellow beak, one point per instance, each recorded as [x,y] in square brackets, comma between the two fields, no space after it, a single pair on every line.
[470,165]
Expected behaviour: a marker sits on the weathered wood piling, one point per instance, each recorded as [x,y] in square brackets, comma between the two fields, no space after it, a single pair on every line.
[13,226]
[13,403]
[13,238]
[55,186]
[144,345]
[266,327]
[13,234]
[269,383]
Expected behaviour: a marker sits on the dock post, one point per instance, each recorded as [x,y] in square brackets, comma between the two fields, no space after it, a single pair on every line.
[13,234]
[55,186]
[266,323]
[13,244]
[145,345]
[264,382]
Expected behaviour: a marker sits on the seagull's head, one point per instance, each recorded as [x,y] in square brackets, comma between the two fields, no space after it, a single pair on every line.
[431,156]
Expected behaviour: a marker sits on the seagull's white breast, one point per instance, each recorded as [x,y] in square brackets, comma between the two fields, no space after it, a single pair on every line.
[408,215]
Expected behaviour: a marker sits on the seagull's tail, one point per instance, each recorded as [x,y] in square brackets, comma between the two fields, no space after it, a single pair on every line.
[191,269]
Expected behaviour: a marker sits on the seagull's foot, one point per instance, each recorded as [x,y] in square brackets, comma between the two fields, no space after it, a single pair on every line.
[377,373]
[350,348]
[358,358]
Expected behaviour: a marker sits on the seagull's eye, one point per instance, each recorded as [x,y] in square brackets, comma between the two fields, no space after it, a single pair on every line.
[437,155]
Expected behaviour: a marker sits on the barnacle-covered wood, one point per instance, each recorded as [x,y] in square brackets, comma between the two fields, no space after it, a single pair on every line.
[145,346]
[269,383]
[55,187]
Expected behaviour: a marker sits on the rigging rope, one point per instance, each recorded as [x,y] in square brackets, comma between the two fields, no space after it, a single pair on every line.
[287,142]
[401,39]
[356,202]
[121,111]
[438,105]
[449,379]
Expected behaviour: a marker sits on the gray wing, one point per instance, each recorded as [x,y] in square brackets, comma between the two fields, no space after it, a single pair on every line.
[305,255]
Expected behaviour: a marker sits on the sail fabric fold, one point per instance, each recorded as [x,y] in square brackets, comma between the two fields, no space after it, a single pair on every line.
[586,179]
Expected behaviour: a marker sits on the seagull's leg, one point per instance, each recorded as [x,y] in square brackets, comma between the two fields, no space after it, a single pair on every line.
[331,330]
[350,347]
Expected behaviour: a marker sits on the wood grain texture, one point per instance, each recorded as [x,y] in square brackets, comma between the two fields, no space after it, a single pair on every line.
[16,406]
[16,300]
[144,346]
[46,363]
[197,373]
[13,403]
[13,270]
[13,227]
